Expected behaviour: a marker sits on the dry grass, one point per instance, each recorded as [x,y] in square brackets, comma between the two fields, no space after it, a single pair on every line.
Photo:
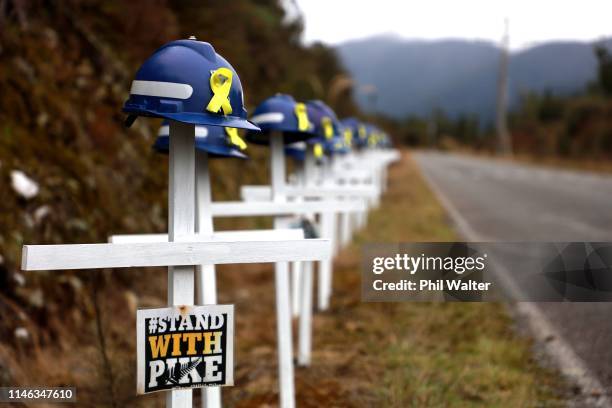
[365,354]
[596,165]
[403,354]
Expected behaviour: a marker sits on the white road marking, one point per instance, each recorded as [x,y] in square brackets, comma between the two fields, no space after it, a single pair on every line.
[568,362]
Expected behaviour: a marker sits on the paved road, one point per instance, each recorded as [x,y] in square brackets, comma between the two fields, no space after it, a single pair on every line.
[501,201]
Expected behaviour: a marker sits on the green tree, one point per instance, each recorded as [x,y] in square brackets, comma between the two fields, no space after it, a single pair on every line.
[604,72]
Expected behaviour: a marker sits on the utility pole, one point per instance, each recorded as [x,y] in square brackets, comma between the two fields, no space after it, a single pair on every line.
[504,142]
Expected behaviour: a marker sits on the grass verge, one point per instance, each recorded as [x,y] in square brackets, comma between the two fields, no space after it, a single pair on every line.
[417,354]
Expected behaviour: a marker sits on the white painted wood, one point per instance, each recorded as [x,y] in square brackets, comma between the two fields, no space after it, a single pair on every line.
[296,268]
[92,256]
[305,323]
[306,282]
[263,192]
[269,208]
[345,229]
[181,221]
[277,167]
[206,278]
[239,235]
[325,265]
[281,275]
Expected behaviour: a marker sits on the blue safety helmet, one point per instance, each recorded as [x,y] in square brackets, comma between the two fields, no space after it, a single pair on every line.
[281,113]
[375,136]
[335,146]
[217,141]
[359,132]
[187,81]
[325,120]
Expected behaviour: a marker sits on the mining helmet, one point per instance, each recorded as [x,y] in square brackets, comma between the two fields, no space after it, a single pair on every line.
[375,136]
[325,120]
[281,113]
[217,141]
[359,132]
[187,81]
[335,146]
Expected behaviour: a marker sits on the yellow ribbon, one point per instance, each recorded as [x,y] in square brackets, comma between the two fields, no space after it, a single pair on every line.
[348,137]
[362,132]
[318,150]
[220,84]
[302,117]
[235,138]
[328,128]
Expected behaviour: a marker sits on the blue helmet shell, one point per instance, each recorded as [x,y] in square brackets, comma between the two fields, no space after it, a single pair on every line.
[359,130]
[278,113]
[335,146]
[211,139]
[321,113]
[375,136]
[175,83]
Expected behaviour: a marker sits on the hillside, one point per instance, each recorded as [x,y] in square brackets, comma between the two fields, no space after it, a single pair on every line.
[459,76]
[70,172]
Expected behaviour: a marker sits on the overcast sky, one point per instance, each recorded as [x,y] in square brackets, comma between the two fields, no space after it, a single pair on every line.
[531,21]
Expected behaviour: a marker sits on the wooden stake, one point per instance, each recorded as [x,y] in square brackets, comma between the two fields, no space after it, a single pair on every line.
[205,274]
[297,266]
[305,343]
[306,281]
[181,221]
[281,275]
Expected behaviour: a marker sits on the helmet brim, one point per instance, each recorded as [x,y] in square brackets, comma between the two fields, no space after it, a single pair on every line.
[217,151]
[296,154]
[199,119]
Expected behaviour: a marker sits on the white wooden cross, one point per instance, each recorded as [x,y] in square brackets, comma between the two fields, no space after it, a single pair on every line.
[312,188]
[280,208]
[182,254]
[206,280]
[205,274]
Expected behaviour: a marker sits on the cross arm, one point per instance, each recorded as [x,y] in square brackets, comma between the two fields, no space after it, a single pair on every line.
[93,256]
[243,235]
[259,192]
[269,208]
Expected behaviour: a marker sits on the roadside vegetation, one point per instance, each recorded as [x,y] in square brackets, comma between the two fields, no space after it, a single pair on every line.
[421,354]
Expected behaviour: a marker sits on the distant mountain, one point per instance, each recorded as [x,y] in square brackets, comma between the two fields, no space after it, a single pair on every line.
[459,76]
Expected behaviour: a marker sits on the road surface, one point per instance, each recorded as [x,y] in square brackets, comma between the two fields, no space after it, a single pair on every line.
[502,201]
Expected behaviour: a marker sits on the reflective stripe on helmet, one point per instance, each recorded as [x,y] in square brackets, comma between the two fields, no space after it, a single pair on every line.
[200,131]
[298,145]
[163,131]
[271,117]
[161,89]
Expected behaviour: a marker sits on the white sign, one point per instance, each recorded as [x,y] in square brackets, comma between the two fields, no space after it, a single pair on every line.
[185,347]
